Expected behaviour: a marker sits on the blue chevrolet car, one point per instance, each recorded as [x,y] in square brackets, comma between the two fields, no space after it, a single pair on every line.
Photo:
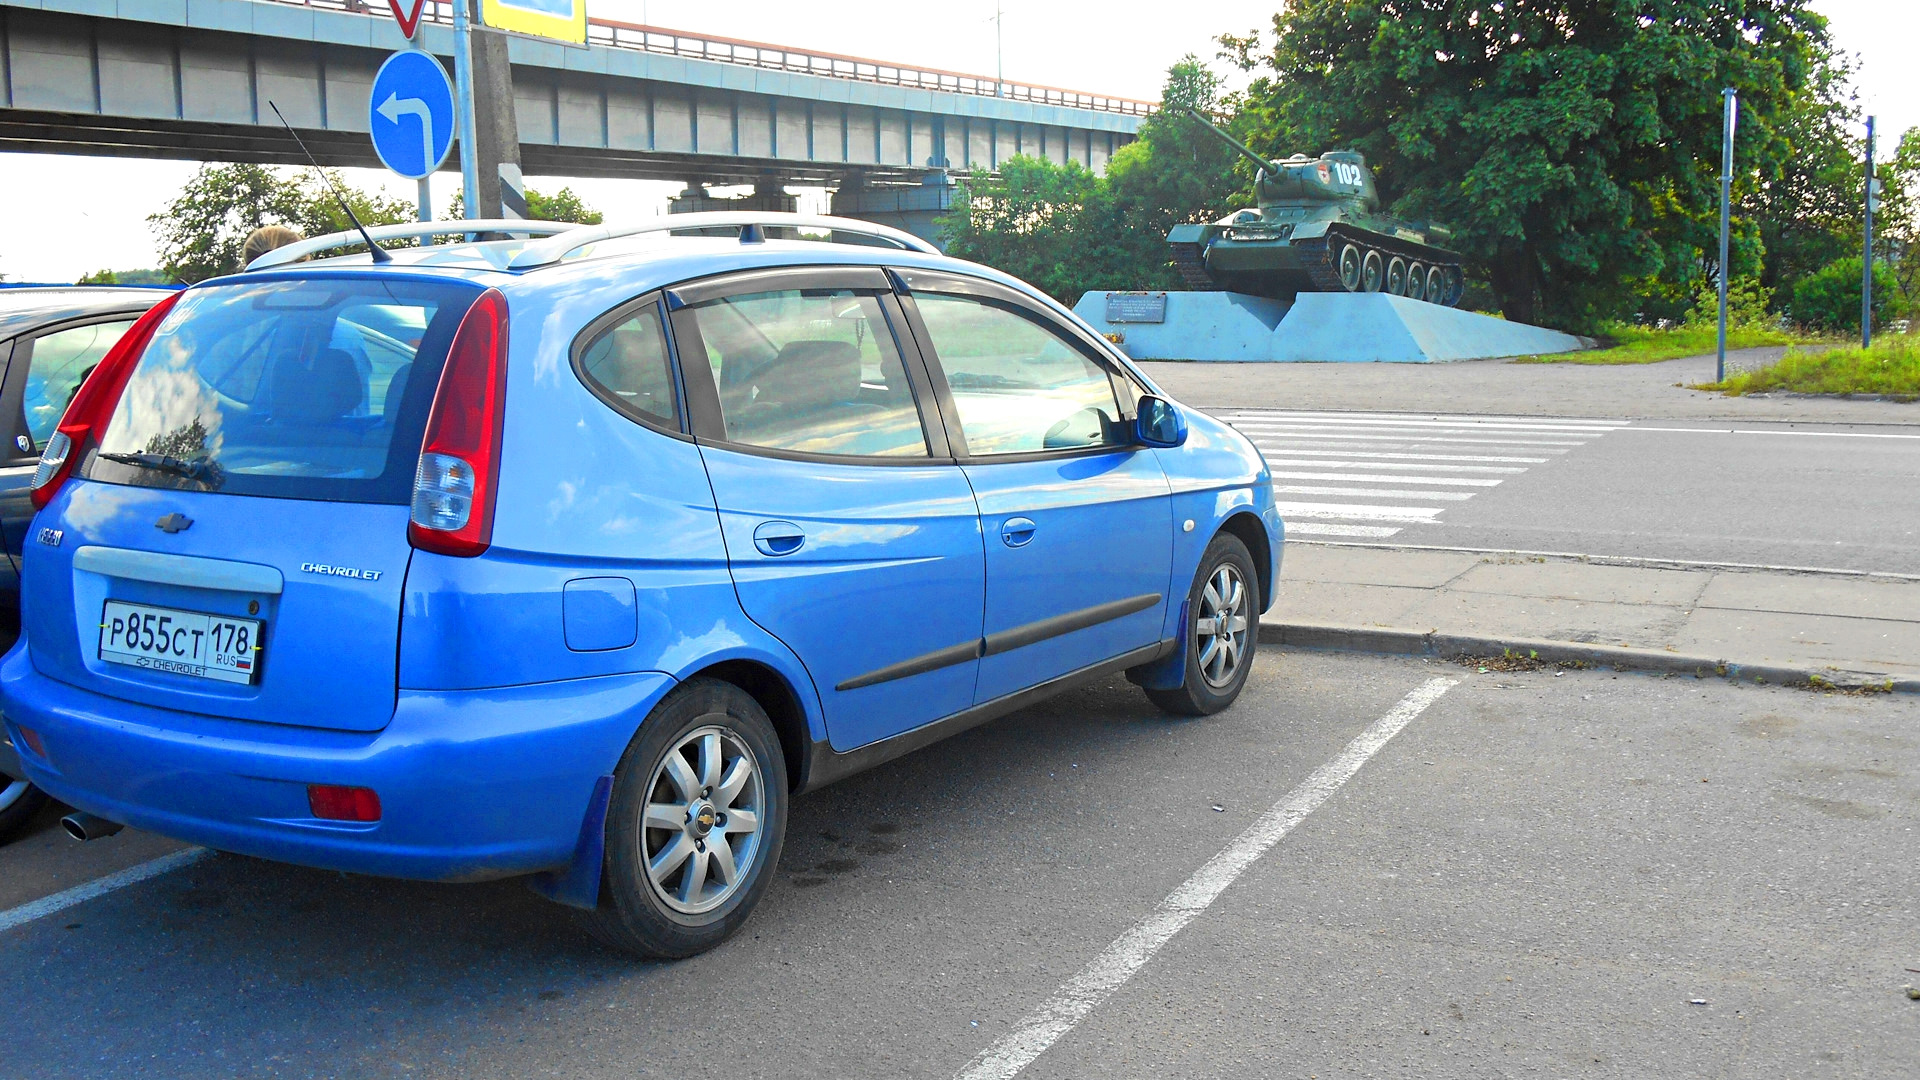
[578,556]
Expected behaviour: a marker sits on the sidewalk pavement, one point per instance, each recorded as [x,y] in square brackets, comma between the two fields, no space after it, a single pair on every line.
[1773,626]
[1504,388]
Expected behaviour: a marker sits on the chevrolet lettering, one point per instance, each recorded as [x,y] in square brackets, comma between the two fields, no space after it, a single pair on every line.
[340,571]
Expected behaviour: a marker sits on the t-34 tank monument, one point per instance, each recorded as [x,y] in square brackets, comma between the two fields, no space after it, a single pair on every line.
[1313,272]
[1316,227]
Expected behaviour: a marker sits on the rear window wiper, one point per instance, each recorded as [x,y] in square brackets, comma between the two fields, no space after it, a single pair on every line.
[193,470]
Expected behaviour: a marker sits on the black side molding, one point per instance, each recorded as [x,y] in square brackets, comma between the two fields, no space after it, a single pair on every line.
[1003,641]
[1014,638]
[825,765]
[919,665]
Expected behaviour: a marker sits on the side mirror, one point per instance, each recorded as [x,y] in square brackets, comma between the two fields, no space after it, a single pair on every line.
[1159,422]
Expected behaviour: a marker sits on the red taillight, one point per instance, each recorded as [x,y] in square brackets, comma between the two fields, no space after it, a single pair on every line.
[333,802]
[87,414]
[459,468]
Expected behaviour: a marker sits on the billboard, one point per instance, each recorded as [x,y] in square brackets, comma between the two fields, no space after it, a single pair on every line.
[560,20]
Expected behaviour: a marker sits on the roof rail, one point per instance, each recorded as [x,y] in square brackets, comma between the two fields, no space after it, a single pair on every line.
[410,230]
[552,249]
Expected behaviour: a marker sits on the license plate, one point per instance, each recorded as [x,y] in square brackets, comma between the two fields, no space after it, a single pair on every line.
[184,642]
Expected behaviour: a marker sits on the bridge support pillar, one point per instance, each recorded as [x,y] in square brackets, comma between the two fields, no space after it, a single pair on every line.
[496,129]
[916,208]
[767,195]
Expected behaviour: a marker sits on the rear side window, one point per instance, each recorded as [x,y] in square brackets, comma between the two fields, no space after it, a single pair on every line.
[315,389]
[61,361]
[810,370]
[628,365]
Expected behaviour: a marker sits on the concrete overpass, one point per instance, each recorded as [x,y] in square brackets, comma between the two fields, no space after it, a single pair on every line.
[192,78]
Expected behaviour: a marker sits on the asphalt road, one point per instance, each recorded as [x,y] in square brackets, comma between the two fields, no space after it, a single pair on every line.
[1832,496]
[1535,877]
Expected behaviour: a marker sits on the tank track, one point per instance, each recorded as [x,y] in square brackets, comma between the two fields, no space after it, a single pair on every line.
[1325,270]
[1193,271]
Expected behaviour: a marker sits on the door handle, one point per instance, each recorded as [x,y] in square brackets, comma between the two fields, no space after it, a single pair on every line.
[777,538]
[1017,531]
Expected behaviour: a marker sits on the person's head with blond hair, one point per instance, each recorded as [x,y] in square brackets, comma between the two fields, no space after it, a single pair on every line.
[265,239]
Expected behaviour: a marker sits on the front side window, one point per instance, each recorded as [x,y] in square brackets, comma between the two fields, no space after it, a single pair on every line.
[628,364]
[810,370]
[1019,388]
[315,389]
[62,361]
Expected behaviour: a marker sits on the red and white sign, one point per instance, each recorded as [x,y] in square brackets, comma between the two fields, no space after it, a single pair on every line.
[409,22]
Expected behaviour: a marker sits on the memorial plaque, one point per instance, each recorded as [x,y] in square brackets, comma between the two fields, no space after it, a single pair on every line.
[1136,307]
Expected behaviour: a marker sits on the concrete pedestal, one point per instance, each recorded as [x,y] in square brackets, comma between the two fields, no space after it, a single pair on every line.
[1320,327]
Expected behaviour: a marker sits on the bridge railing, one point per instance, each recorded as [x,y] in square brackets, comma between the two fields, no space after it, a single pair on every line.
[760,54]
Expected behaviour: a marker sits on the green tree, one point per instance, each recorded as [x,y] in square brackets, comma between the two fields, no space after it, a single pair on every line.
[1037,220]
[1573,145]
[562,205]
[1069,231]
[201,232]
[1830,298]
[125,277]
[1175,173]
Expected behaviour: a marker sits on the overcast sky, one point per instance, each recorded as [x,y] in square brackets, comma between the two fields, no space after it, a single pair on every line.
[64,216]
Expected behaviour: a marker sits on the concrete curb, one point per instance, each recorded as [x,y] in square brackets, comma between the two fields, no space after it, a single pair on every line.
[1433,643]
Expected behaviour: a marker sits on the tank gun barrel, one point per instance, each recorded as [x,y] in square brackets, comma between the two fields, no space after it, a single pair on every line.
[1260,162]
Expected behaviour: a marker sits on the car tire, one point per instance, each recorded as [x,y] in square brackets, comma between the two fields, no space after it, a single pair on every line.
[1223,631]
[19,802]
[706,757]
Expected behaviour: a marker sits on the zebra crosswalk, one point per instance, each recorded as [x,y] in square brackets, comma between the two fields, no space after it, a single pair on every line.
[1369,475]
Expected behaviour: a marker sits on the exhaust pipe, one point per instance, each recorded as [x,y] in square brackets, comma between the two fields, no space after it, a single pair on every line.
[84,826]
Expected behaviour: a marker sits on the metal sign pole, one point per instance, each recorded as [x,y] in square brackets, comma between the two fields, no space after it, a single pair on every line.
[1730,114]
[463,92]
[1866,255]
[423,186]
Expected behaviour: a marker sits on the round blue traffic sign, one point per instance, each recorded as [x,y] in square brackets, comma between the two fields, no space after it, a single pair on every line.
[410,114]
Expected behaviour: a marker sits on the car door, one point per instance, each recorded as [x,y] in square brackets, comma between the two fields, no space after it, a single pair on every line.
[851,533]
[1077,518]
[44,370]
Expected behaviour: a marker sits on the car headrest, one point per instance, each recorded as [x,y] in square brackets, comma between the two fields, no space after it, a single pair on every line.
[326,389]
[810,373]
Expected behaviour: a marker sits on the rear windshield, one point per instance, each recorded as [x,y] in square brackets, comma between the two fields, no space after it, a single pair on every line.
[314,389]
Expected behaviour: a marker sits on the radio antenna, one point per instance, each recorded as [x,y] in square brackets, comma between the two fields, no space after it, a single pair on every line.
[379,253]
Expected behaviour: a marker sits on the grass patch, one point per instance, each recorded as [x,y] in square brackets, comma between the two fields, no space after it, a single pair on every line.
[1628,344]
[1509,660]
[1891,367]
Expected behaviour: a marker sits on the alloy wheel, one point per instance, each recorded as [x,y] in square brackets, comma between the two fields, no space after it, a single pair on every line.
[13,792]
[1220,633]
[702,829]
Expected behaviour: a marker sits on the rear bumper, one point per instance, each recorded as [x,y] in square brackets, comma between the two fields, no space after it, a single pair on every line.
[473,784]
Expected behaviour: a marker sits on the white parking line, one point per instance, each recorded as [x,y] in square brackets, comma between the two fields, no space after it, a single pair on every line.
[1110,970]
[98,887]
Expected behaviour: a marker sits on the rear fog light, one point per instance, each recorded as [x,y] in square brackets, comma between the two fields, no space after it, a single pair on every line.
[332,802]
[32,739]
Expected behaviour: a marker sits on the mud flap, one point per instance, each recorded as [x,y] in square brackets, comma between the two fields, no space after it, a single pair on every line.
[1170,672]
[579,884]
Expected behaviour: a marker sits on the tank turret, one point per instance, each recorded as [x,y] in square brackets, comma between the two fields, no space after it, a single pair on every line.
[1316,227]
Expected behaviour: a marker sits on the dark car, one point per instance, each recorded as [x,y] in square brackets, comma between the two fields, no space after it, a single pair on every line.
[50,339]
